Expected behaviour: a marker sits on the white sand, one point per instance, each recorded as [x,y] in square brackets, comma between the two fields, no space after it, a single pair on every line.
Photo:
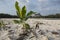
[48,24]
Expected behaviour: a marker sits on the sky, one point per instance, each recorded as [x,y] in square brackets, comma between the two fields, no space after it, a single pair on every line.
[44,7]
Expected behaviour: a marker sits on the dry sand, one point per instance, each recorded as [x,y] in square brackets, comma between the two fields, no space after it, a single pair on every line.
[47,27]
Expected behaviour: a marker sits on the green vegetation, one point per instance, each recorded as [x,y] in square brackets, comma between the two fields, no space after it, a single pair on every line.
[53,16]
[2,15]
[1,24]
[23,16]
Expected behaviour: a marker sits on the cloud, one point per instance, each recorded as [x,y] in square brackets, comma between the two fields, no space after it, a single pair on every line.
[42,6]
[42,0]
[27,0]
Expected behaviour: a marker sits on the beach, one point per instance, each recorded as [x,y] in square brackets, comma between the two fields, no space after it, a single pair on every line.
[49,29]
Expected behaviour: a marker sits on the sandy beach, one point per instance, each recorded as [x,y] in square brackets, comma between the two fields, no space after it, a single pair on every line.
[49,29]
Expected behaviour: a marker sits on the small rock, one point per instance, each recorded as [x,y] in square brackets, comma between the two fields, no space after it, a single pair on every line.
[44,38]
[55,33]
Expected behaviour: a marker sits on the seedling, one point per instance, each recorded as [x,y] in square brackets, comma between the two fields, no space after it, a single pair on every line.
[23,15]
[1,24]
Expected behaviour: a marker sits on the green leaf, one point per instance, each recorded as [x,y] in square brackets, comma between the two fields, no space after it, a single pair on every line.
[18,9]
[18,14]
[1,23]
[30,13]
[26,19]
[17,21]
[27,26]
[24,11]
